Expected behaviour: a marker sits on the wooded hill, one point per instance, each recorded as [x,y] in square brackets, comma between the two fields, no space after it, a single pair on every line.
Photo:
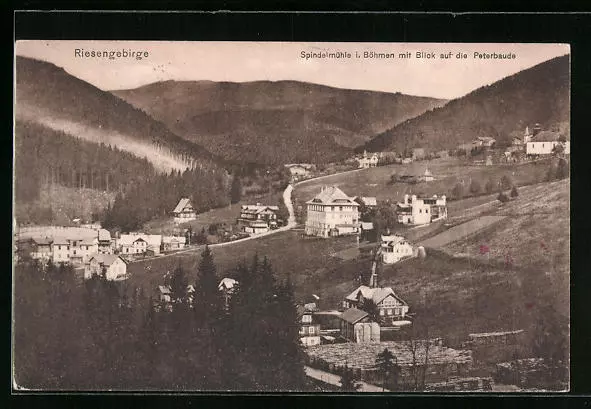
[536,95]
[274,122]
[48,95]
[45,158]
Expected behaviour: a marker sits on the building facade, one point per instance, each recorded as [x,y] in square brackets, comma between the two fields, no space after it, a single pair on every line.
[421,210]
[391,307]
[139,243]
[356,326]
[545,142]
[394,248]
[184,211]
[332,213]
[309,326]
[258,218]
[114,267]
[368,161]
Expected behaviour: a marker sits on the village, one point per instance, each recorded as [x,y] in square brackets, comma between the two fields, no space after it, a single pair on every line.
[371,318]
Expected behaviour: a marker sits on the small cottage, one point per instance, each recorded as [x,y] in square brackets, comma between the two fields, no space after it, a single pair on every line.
[357,326]
[112,266]
[184,211]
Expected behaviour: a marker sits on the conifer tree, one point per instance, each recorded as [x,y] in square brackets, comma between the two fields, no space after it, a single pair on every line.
[349,382]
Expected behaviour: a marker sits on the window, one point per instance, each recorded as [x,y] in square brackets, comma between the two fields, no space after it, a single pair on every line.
[74,251]
[389,312]
[311,330]
[420,210]
[307,318]
[381,312]
[426,210]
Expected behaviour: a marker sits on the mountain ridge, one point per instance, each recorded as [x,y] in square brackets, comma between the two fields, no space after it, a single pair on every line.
[287,120]
[539,94]
[49,95]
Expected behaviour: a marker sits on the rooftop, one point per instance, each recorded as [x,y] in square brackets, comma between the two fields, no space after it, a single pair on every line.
[184,202]
[332,195]
[376,294]
[546,136]
[353,315]
[106,259]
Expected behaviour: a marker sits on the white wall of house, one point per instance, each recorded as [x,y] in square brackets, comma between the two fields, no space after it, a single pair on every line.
[391,255]
[545,147]
[322,218]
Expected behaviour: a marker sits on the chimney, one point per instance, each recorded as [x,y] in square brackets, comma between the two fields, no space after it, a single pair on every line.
[373,280]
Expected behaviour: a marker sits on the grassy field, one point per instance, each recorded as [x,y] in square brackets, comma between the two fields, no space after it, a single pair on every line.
[309,261]
[447,172]
[454,291]
[535,233]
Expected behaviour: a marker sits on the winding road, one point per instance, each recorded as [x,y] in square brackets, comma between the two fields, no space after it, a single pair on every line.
[291,221]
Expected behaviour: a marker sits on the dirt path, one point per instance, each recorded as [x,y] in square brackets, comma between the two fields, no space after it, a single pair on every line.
[460,231]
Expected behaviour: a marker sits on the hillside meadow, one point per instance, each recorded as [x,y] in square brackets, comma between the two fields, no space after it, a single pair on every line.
[447,173]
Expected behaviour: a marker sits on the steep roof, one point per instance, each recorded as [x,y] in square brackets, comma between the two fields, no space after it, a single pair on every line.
[164,289]
[546,136]
[369,201]
[332,195]
[104,235]
[258,208]
[377,294]
[353,315]
[392,240]
[228,283]
[106,259]
[174,239]
[152,239]
[42,240]
[367,225]
[181,205]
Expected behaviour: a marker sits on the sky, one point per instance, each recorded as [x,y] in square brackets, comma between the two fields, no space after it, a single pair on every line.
[251,61]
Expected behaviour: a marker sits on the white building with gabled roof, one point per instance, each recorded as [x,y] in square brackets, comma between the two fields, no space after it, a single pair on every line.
[332,213]
[113,266]
[394,248]
[184,211]
[139,243]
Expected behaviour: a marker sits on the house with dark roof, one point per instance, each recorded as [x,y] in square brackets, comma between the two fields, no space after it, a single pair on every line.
[184,211]
[309,324]
[332,213]
[357,326]
[390,306]
[545,142]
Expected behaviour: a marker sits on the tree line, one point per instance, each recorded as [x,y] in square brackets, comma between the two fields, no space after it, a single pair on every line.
[102,334]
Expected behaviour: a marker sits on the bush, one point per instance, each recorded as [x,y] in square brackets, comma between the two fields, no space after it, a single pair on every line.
[506,182]
[474,187]
[514,192]
[458,191]
[502,198]
[489,187]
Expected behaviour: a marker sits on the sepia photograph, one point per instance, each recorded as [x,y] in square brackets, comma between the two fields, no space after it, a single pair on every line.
[291,217]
